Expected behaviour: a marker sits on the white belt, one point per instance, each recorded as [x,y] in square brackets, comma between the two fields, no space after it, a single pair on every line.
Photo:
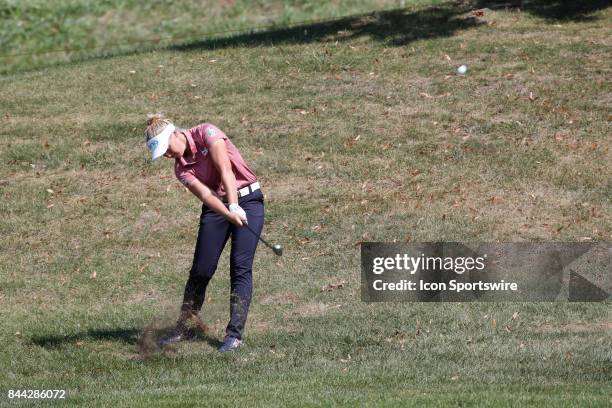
[244,191]
[248,189]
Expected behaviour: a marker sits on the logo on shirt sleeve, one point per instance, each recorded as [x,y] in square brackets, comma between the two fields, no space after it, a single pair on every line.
[210,132]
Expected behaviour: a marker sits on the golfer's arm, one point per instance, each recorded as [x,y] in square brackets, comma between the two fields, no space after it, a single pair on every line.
[222,162]
[207,197]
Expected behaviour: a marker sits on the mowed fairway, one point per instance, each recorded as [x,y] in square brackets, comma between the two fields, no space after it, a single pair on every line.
[360,130]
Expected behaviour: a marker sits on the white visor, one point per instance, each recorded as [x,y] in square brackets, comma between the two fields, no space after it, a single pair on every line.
[159,144]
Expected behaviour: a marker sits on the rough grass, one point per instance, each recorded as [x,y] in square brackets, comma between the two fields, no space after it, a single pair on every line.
[359,130]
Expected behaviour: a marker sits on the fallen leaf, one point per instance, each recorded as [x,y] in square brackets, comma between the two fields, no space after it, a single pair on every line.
[94,275]
[333,286]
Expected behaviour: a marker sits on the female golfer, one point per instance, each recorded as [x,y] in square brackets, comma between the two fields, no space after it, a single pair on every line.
[211,167]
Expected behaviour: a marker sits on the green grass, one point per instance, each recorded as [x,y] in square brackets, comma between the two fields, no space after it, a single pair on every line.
[37,33]
[359,130]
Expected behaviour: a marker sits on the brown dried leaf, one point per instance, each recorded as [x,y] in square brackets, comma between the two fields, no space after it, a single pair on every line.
[333,286]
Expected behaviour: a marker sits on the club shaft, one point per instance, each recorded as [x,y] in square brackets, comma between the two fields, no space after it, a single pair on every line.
[258,236]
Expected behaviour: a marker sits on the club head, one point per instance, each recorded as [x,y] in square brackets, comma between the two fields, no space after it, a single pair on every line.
[278,250]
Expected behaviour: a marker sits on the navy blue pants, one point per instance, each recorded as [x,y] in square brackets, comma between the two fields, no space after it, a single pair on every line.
[213,233]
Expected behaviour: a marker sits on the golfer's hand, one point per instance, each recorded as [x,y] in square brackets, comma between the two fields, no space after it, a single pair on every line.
[234,219]
[236,209]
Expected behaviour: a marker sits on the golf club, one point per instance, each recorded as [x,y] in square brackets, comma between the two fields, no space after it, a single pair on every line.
[276,248]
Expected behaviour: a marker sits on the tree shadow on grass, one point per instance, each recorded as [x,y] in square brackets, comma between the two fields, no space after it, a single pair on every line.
[402,26]
[395,28]
[392,27]
[549,9]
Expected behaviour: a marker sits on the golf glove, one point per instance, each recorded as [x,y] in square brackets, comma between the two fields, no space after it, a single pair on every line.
[235,208]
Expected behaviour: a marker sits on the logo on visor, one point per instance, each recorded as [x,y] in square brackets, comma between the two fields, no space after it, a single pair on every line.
[153,144]
[205,151]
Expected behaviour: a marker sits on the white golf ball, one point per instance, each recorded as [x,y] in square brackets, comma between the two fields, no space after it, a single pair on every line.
[462,70]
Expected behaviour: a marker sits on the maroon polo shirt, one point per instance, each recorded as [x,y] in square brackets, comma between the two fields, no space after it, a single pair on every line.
[196,163]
